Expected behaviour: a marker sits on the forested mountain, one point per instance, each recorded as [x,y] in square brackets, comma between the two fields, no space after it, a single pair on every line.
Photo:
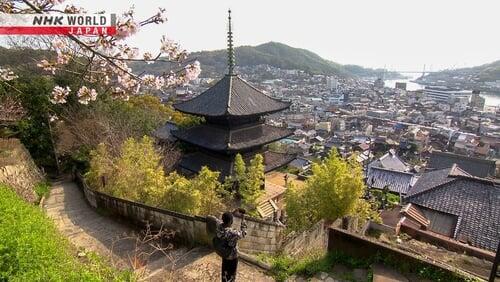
[482,73]
[271,53]
[214,63]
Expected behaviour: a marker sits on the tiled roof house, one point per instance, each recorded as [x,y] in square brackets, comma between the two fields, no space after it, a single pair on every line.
[476,167]
[459,205]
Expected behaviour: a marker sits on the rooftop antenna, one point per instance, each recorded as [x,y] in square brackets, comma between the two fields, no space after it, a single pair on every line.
[230,50]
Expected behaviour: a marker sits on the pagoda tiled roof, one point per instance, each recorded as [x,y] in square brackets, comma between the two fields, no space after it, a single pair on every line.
[231,96]
[216,138]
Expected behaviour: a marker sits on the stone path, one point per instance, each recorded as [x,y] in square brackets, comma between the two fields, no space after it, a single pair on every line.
[88,229]
[382,273]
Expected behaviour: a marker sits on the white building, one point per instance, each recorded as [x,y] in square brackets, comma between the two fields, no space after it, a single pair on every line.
[324,126]
[336,99]
[331,83]
[445,95]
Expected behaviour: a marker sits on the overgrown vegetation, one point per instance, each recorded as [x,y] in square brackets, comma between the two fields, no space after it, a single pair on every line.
[111,122]
[31,249]
[136,174]
[385,198]
[42,189]
[70,131]
[284,266]
[334,190]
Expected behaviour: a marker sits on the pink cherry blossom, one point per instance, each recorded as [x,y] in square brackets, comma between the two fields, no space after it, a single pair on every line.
[71,9]
[148,57]
[58,44]
[6,7]
[59,95]
[148,79]
[47,66]
[119,93]
[160,17]
[86,95]
[6,74]
[63,58]
[172,49]
[55,2]
[159,82]
[193,70]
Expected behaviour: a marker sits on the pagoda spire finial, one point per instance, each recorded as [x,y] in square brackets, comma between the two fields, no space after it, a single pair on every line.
[230,50]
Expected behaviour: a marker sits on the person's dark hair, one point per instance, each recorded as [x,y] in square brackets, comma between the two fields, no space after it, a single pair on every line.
[227,219]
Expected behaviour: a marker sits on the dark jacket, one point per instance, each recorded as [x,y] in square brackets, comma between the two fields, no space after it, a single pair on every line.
[231,236]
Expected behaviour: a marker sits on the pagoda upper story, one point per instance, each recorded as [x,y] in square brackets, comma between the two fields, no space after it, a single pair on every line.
[234,114]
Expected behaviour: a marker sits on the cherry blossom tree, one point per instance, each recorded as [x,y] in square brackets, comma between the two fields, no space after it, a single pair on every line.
[104,60]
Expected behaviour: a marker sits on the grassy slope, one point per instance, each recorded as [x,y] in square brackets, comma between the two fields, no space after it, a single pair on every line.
[31,249]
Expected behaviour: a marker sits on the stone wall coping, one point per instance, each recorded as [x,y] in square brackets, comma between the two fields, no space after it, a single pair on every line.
[82,183]
[261,221]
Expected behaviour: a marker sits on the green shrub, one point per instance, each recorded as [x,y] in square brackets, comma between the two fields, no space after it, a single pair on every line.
[31,249]
[137,175]
[42,190]
[284,266]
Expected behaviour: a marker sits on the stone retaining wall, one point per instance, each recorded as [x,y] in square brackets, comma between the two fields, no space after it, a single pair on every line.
[364,248]
[298,244]
[262,236]
[18,170]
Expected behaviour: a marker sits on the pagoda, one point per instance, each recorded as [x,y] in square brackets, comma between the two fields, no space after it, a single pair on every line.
[234,114]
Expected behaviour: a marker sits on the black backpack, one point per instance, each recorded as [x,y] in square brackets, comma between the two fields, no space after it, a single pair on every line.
[222,247]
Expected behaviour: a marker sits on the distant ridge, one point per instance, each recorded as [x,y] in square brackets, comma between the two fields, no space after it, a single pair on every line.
[482,73]
[274,54]
[214,63]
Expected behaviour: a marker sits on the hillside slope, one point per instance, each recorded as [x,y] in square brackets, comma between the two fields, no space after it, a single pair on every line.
[482,73]
[214,63]
[273,54]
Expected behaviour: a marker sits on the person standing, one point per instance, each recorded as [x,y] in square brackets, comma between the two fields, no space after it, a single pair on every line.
[225,244]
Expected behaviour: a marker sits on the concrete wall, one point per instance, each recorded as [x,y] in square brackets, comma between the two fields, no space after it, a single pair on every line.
[447,243]
[262,236]
[18,170]
[371,225]
[364,248]
[298,244]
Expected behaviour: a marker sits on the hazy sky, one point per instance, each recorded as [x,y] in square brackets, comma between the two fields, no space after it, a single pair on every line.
[400,34]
